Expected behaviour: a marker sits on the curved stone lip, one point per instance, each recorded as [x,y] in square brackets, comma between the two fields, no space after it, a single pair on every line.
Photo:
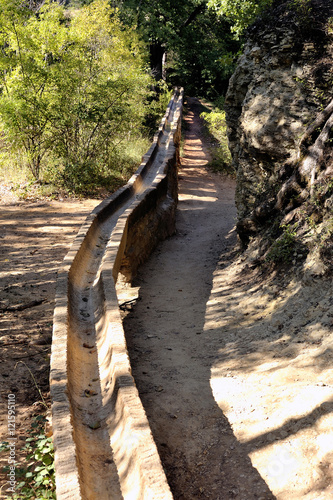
[131,468]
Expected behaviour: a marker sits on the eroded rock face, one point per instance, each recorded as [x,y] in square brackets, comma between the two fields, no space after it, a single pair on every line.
[281,82]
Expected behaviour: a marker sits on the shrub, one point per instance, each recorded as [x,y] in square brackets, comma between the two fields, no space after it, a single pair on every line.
[72,87]
[36,480]
[217,128]
[283,247]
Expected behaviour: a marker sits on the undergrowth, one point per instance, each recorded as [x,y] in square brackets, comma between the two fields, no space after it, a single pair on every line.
[83,178]
[74,180]
[36,478]
[283,247]
[216,129]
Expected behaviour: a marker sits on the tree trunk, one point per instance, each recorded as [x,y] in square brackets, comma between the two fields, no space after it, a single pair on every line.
[157,52]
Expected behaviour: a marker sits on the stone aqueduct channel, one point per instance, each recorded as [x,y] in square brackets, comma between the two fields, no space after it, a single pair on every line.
[103,444]
[136,415]
[189,374]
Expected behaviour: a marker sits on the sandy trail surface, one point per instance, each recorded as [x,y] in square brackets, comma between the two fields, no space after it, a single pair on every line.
[170,351]
[233,365]
[34,238]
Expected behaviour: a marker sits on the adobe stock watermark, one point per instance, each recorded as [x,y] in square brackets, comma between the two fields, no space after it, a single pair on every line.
[11,415]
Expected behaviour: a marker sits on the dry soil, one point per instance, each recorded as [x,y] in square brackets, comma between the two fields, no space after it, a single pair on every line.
[34,238]
[233,364]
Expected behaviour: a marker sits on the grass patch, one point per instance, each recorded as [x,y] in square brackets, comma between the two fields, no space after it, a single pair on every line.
[13,168]
[216,130]
[282,250]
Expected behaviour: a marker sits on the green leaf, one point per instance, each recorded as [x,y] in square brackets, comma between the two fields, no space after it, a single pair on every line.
[4,445]
[47,460]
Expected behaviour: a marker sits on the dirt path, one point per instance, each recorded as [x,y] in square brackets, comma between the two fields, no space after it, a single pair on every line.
[233,366]
[34,239]
[170,353]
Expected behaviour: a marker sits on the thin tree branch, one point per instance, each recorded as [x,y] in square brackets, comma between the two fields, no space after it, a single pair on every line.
[200,8]
[100,118]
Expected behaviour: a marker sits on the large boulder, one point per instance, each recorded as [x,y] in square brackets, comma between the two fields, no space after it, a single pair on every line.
[282,81]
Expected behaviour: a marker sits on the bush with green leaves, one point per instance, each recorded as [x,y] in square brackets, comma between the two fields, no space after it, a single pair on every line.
[72,87]
[215,122]
[283,247]
[241,13]
[156,105]
[302,7]
[36,480]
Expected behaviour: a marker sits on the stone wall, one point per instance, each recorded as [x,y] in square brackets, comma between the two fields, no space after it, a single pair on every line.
[103,443]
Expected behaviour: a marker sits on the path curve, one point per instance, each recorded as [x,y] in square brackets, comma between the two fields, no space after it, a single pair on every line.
[170,353]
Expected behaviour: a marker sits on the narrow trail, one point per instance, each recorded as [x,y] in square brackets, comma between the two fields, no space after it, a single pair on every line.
[233,363]
[172,355]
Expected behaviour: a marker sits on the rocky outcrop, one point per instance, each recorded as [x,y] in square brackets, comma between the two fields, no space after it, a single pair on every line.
[281,83]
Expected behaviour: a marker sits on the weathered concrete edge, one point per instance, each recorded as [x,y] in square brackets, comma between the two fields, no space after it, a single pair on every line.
[146,478]
[67,478]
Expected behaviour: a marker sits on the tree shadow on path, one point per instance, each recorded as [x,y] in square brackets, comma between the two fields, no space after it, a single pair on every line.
[170,357]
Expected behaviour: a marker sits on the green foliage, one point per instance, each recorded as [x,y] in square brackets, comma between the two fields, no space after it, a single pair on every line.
[37,479]
[73,87]
[283,247]
[217,128]
[22,103]
[329,26]
[241,13]
[302,7]
[161,20]
[4,446]
[156,104]
[197,43]
[101,91]
[90,179]
[303,11]
[205,56]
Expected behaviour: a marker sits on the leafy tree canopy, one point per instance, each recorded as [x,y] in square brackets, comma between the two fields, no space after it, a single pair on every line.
[193,42]
[197,41]
[240,13]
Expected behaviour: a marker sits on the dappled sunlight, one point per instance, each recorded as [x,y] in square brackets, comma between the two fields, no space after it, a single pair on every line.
[255,408]
[195,154]
[198,196]
[272,377]
[34,240]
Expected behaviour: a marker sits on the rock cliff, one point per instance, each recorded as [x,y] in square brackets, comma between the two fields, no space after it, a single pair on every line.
[283,81]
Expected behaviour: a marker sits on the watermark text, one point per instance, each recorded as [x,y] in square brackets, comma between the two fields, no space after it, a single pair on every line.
[11,474]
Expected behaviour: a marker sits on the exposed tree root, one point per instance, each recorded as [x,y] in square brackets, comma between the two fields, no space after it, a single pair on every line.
[324,115]
[289,188]
[308,167]
[311,163]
